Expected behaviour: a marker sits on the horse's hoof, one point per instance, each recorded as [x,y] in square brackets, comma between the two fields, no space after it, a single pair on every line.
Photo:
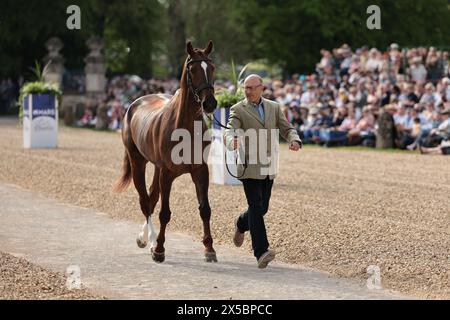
[210,257]
[158,256]
[140,243]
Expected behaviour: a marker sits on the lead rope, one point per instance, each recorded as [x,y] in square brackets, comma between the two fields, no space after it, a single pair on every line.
[226,163]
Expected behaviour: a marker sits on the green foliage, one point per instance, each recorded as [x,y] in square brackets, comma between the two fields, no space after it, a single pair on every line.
[226,99]
[38,73]
[233,75]
[292,32]
[218,21]
[25,26]
[289,33]
[116,53]
[262,68]
[38,87]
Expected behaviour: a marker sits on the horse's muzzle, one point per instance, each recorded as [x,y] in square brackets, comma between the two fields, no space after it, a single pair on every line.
[209,104]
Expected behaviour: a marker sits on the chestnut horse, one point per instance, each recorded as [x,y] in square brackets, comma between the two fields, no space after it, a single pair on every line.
[147,130]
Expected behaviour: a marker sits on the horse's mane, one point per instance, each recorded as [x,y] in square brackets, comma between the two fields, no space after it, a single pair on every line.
[180,101]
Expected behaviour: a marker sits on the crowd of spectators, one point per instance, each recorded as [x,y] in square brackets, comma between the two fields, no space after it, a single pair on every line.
[354,97]
[120,93]
[365,96]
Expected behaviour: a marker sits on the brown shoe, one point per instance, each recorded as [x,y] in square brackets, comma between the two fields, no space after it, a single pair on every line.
[265,258]
[238,238]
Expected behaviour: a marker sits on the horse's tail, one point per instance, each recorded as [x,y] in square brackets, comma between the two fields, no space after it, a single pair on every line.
[124,181]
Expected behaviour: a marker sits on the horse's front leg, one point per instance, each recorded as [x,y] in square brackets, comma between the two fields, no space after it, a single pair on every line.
[165,184]
[200,177]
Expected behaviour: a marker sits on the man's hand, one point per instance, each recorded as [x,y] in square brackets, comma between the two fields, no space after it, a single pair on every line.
[295,145]
[235,143]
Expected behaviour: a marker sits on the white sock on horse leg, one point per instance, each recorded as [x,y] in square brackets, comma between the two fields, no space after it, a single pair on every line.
[152,233]
[143,235]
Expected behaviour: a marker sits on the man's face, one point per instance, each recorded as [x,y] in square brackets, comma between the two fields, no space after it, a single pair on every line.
[253,89]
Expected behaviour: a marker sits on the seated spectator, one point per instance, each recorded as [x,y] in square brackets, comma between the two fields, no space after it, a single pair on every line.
[417,71]
[443,148]
[430,96]
[349,122]
[444,127]
[440,132]
[116,115]
[309,97]
[404,120]
[411,139]
[374,62]
[88,119]
[312,125]
[343,122]
[297,120]
[364,128]
[434,71]
[339,115]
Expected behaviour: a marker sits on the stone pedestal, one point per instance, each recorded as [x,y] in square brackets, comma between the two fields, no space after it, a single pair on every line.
[55,62]
[386,132]
[95,68]
[72,107]
[102,117]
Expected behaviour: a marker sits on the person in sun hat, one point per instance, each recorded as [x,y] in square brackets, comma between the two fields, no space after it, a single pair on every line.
[444,131]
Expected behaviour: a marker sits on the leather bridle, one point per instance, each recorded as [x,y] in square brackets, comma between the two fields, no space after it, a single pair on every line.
[206,85]
[196,91]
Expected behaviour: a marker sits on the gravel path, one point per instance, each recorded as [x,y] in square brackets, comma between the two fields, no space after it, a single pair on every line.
[57,236]
[334,210]
[20,279]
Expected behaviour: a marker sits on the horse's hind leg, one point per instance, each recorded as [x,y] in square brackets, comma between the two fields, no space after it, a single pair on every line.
[165,184]
[201,180]
[138,165]
[148,233]
[154,196]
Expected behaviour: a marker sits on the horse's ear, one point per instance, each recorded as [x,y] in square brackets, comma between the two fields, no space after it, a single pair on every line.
[209,48]
[190,48]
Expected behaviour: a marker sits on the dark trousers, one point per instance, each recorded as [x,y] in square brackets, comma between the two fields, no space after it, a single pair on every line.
[258,196]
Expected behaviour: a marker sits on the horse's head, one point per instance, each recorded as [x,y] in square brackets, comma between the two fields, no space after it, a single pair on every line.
[200,76]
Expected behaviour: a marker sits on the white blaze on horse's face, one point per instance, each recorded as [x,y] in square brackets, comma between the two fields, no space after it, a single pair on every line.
[205,67]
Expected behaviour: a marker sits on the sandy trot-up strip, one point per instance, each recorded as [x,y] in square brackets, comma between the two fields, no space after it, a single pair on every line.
[335,210]
[20,279]
[57,236]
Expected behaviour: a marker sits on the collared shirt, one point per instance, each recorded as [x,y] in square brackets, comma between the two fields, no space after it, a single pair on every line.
[260,109]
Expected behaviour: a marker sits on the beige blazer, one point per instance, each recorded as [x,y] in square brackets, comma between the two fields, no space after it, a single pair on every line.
[243,115]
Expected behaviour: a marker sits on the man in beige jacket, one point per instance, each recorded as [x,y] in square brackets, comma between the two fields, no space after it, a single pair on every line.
[258,119]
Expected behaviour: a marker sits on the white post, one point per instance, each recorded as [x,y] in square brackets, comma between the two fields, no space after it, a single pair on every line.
[40,121]
[218,151]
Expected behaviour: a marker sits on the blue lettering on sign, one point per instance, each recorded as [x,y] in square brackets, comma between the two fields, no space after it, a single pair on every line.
[44,105]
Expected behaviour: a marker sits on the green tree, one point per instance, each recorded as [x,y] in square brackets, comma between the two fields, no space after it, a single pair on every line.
[292,32]
[132,30]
